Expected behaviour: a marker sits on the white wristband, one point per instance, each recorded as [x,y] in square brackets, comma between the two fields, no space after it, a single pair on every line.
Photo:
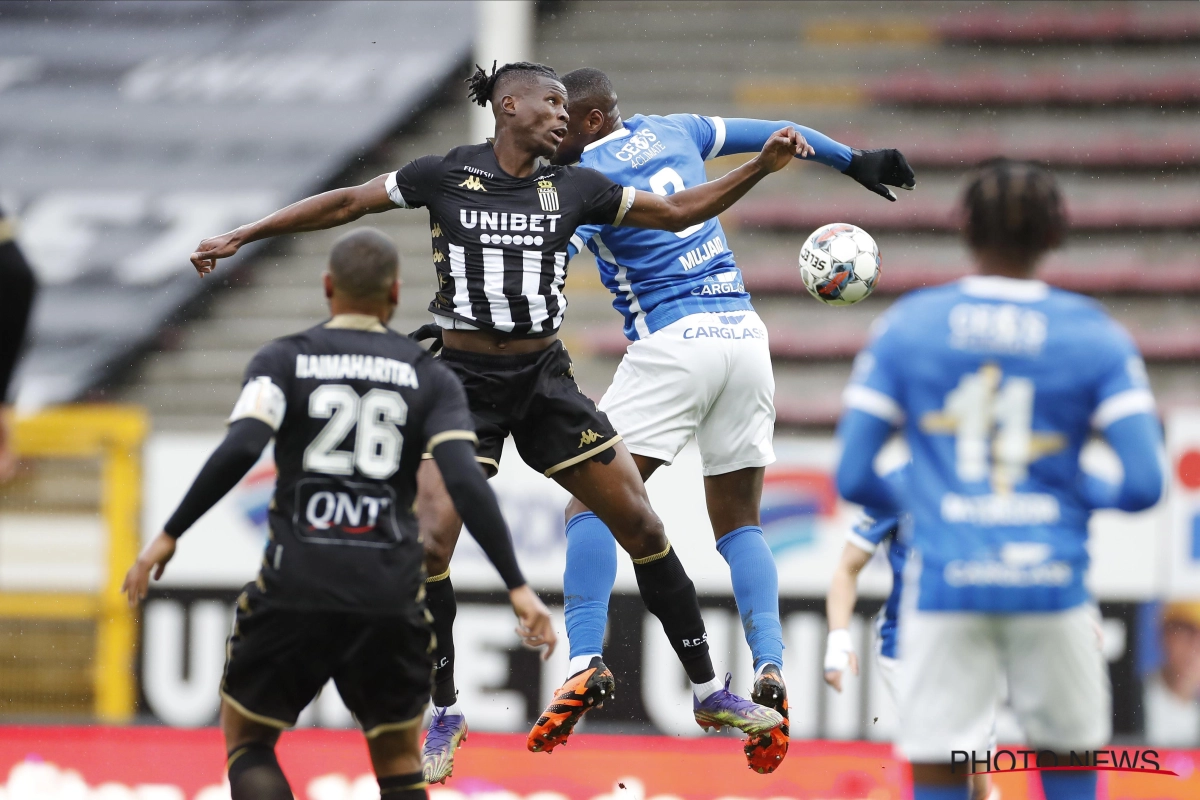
[838,648]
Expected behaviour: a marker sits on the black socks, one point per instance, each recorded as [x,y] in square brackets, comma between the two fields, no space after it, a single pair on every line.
[403,787]
[670,595]
[254,774]
[439,598]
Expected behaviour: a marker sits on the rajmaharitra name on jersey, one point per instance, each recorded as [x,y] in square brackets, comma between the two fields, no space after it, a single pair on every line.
[658,277]
[500,243]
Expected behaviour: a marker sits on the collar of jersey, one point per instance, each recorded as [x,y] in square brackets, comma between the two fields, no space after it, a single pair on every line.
[999,287]
[356,322]
[617,134]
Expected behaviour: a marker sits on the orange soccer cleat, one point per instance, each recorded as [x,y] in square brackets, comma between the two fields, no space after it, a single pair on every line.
[583,691]
[765,752]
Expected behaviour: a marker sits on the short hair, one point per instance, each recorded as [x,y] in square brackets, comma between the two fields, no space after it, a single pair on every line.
[363,264]
[1013,209]
[589,84]
[481,87]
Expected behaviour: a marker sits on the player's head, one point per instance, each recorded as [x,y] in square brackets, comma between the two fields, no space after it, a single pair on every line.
[364,274]
[528,101]
[1012,215]
[592,104]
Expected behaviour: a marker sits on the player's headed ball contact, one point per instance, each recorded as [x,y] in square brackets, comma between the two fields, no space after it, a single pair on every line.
[839,264]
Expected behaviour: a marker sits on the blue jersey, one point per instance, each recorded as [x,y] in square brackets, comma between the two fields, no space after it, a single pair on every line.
[658,277]
[875,530]
[997,384]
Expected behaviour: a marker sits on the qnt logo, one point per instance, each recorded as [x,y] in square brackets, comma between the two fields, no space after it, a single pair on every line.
[352,514]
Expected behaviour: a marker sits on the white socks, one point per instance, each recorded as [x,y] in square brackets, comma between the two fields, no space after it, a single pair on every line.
[703,690]
[758,672]
[580,663]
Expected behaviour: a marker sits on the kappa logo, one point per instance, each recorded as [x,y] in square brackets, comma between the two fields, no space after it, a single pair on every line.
[436,230]
[473,183]
[547,196]
[438,257]
[589,437]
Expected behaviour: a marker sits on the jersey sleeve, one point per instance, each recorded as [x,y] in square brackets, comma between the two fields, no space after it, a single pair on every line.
[264,389]
[580,239]
[413,185]
[875,385]
[604,201]
[1123,388]
[708,133]
[449,418]
[871,529]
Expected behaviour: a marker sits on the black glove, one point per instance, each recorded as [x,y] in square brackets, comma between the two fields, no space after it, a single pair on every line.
[429,331]
[878,169]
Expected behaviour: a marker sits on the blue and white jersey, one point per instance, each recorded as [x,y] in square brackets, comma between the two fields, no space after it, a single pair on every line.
[997,384]
[659,277]
[872,531]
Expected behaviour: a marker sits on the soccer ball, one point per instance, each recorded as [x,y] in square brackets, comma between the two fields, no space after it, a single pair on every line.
[839,264]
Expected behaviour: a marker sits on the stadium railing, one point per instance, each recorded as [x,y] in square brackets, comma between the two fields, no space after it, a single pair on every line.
[113,436]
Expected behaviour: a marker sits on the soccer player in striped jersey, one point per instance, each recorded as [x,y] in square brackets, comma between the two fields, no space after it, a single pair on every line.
[1013,377]
[699,365]
[501,220]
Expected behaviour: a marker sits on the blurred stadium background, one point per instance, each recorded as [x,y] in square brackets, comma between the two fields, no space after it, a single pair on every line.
[131,130]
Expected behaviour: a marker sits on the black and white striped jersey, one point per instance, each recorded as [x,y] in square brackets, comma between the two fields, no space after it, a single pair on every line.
[499,242]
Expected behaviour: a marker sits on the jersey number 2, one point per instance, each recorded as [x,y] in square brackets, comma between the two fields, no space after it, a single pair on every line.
[659,182]
[378,442]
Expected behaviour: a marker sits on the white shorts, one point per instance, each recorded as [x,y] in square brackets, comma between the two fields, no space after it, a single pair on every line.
[952,665]
[707,375]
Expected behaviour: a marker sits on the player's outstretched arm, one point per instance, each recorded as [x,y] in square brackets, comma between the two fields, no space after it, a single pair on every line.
[1137,441]
[839,607]
[862,436]
[682,209]
[476,504]
[321,211]
[874,169]
[228,464]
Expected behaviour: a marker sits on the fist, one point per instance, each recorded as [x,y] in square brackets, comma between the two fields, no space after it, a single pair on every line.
[782,147]
[209,250]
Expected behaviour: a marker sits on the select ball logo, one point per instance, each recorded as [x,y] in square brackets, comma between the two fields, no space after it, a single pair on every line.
[839,264]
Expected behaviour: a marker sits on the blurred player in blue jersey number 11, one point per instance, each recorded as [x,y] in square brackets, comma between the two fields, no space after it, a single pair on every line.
[1012,379]
[699,365]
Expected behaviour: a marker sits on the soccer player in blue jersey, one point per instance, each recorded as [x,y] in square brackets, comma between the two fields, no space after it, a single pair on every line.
[699,365]
[996,381]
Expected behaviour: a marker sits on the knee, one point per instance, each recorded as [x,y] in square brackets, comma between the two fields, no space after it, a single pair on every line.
[574,508]
[437,556]
[645,534]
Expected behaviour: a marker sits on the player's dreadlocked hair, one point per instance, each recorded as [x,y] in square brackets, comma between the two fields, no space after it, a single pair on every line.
[481,85]
[1013,209]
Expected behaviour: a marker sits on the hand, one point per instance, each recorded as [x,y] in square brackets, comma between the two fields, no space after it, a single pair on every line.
[8,459]
[208,251]
[878,169]
[839,656]
[781,148]
[154,557]
[535,628]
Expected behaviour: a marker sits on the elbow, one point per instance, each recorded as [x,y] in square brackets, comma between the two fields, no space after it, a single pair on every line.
[1143,491]
[851,482]
[675,219]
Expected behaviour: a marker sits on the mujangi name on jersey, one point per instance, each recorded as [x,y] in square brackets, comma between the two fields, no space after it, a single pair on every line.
[350,366]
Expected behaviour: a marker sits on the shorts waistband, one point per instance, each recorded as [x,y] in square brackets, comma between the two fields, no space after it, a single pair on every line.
[489,361]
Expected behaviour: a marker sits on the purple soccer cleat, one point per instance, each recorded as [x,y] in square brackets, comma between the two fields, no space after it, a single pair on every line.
[723,707]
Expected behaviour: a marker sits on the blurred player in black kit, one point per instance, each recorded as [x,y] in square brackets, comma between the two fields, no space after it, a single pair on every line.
[17,289]
[501,218]
[352,407]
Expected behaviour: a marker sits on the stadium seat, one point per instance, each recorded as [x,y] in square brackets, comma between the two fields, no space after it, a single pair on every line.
[1064,25]
[995,88]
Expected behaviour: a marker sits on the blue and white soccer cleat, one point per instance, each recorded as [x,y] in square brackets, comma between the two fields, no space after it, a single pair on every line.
[446,734]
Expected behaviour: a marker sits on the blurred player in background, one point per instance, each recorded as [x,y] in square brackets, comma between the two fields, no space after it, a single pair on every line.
[501,220]
[699,365]
[17,289]
[872,532]
[1012,377]
[352,407]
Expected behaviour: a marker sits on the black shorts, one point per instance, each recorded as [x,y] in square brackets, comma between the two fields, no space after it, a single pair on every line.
[280,658]
[535,398]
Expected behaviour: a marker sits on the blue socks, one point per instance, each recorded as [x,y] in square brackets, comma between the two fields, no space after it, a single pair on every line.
[1069,785]
[756,589]
[924,791]
[588,580]
[591,571]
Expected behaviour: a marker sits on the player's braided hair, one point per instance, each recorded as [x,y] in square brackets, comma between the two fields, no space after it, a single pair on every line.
[481,85]
[1014,209]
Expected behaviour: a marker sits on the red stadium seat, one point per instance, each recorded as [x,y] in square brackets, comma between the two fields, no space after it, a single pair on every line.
[1062,25]
[924,88]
